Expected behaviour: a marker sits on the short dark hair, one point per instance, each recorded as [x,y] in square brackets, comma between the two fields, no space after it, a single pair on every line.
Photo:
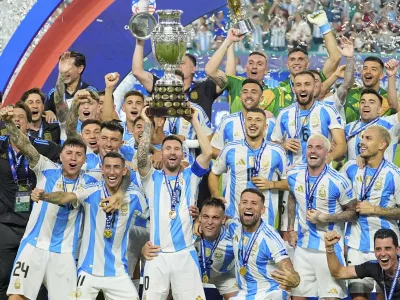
[254,191]
[305,73]
[133,93]
[250,80]
[375,59]
[180,74]
[79,59]
[371,91]
[21,104]
[258,53]
[89,122]
[257,110]
[297,49]
[192,58]
[112,126]
[35,90]
[213,202]
[171,137]
[386,233]
[315,72]
[77,142]
[114,155]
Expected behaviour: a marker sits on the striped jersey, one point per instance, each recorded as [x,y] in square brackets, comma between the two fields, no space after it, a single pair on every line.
[267,251]
[127,149]
[320,118]
[55,227]
[101,256]
[333,192]
[172,235]
[93,160]
[334,101]
[385,192]
[238,160]
[232,129]
[204,40]
[391,123]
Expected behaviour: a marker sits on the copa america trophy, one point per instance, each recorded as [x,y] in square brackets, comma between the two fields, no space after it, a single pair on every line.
[239,17]
[169,46]
[142,24]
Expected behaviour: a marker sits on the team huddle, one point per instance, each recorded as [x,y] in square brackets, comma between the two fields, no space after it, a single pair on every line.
[90,204]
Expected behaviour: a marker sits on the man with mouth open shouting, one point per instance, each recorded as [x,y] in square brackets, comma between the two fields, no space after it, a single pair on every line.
[324,200]
[377,188]
[384,268]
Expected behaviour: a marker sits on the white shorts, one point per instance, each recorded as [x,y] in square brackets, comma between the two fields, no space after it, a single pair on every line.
[34,266]
[178,270]
[113,287]
[138,236]
[273,295]
[367,284]
[315,277]
[225,283]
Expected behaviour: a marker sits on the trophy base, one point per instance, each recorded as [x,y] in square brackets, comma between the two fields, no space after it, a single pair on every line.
[245,26]
[169,101]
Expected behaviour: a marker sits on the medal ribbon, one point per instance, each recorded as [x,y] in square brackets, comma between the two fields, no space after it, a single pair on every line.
[394,283]
[40,133]
[362,128]
[109,216]
[257,158]
[297,119]
[14,165]
[172,125]
[205,259]
[365,190]
[310,192]
[173,193]
[245,254]
[242,123]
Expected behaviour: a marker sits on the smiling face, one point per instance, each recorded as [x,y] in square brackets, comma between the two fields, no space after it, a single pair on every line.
[90,136]
[256,67]
[251,209]
[35,104]
[72,159]
[88,110]
[109,141]
[304,88]
[251,95]
[316,153]
[371,74]
[297,62]
[132,107]
[172,155]
[386,253]
[371,143]
[211,220]
[255,124]
[370,106]
[113,170]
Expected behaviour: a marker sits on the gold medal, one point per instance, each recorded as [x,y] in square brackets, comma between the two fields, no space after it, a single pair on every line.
[167,104]
[107,233]
[243,270]
[171,111]
[172,214]
[205,278]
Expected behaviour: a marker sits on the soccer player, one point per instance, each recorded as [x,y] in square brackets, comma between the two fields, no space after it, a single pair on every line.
[306,117]
[322,199]
[384,269]
[170,192]
[370,106]
[214,249]
[90,133]
[377,188]
[263,268]
[251,162]
[371,75]
[231,127]
[102,259]
[39,127]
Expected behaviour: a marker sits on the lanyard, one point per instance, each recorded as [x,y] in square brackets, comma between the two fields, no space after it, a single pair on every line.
[109,216]
[74,186]
[394,283]
[257,158]
[242,123]
[173,193]
[297,119]
[245,254]
[40,133]
[205,259]
[310,192]
[365,189]
[362,128]
[172,125]
[14,165]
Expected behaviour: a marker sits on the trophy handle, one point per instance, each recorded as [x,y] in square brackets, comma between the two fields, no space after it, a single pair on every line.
[141,25]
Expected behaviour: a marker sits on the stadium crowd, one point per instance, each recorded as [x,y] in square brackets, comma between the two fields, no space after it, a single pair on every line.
[295,194]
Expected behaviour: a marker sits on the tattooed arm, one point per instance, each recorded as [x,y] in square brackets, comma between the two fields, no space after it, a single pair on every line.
[291,211]
[365,208]
[143,160]
[59,198]
[286,275]
[72,120]
[347,215]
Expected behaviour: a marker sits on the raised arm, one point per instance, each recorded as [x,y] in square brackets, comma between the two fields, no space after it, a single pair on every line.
[213,185]
[392,67]
[291,219]
[327,84]
[206,150]
[212,71]
[81,96]
[111,79]
[145,78]
[65,64]
[366,208]
[19,139]
[340,150]
[347,51]
[143,160]
[335,267]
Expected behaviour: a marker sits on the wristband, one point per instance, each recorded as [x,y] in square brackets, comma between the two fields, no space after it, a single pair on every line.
[330,250]
[325,28]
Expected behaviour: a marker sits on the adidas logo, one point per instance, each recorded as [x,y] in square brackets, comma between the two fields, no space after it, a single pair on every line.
[300,189]
[199,298]
[240,162]
[333,291]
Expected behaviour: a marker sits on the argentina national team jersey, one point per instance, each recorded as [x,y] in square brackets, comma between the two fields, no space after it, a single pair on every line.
[101,256]
[267,252]
[232,129]
[384,193]
[321,118]
[334,101]
[128,141]
[333,191]
[238,160]
[93,160]
[55,227]
[391,123]
[223,258]
[172,235]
